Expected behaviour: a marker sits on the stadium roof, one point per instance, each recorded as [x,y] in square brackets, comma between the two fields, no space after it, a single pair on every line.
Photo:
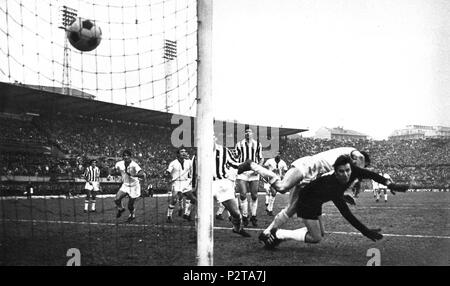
[19,98]
[341,131]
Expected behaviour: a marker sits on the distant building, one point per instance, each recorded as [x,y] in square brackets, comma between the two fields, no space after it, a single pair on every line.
[339,133]
[420,132]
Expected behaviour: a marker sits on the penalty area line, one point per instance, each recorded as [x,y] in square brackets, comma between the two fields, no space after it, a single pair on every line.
[357,233]
[216,227]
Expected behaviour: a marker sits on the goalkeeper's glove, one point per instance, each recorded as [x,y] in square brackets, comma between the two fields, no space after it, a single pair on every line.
[373,234]
[349,200]
[397,187]
[244,167]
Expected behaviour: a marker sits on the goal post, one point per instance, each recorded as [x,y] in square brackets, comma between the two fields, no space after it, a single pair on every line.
[204,135]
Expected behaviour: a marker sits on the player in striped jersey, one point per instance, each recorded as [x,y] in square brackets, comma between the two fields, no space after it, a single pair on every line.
[92,186]
[223,185]
[249,149]
[279,167]
[131,173]
[302,172]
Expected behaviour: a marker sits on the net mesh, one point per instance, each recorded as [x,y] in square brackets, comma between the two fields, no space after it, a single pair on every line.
[147,58]
[128,67]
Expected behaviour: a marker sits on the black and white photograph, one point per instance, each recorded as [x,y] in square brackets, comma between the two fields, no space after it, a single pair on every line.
[238,134]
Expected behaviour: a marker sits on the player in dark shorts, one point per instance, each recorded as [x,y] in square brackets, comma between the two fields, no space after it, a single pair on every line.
[330,187]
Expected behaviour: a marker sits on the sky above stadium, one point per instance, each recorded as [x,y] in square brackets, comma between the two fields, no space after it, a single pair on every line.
[371,66]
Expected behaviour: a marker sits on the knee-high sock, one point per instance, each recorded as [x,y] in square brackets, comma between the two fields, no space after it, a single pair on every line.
[220,209]
[131,208]
[237,203]
[187,207]
[93,205]
[181,203]
[118,203]
[86,204]
[296,234]
[244,207]
[280,219]
[170,210]
[237,222]
[271,202]
[253,206]
[385,197]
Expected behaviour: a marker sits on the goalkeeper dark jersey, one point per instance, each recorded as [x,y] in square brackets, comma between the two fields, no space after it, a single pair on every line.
[328,188]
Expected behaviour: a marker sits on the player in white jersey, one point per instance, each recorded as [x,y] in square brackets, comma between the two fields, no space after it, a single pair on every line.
[303,171]
[380,188]
[131,172]
[92,186]
[248,149]
[180,173]
[279,167]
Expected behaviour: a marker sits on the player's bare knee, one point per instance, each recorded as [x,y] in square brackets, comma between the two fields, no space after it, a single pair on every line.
[235,219]
[234,212]
[118,197]
[290,213]
[281,187]
[290,210]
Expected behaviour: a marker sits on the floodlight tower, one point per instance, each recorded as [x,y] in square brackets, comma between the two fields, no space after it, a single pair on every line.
[68,17]
[170,53]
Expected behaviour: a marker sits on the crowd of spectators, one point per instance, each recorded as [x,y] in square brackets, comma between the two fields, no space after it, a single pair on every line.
[20,131]
[81,139]
[424,161]
[421,161]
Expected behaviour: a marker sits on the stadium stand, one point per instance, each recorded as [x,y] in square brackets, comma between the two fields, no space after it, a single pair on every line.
[57,145]
[424,160]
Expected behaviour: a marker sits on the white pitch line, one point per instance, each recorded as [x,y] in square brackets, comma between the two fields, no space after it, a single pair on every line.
[402,207]
[394,235]
[357,233]
[216,227]
[82,196]
[65,197]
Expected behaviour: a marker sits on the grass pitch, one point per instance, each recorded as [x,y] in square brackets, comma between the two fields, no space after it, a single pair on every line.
[40,231]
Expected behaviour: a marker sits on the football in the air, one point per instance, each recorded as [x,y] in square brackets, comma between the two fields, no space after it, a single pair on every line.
[84,34]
